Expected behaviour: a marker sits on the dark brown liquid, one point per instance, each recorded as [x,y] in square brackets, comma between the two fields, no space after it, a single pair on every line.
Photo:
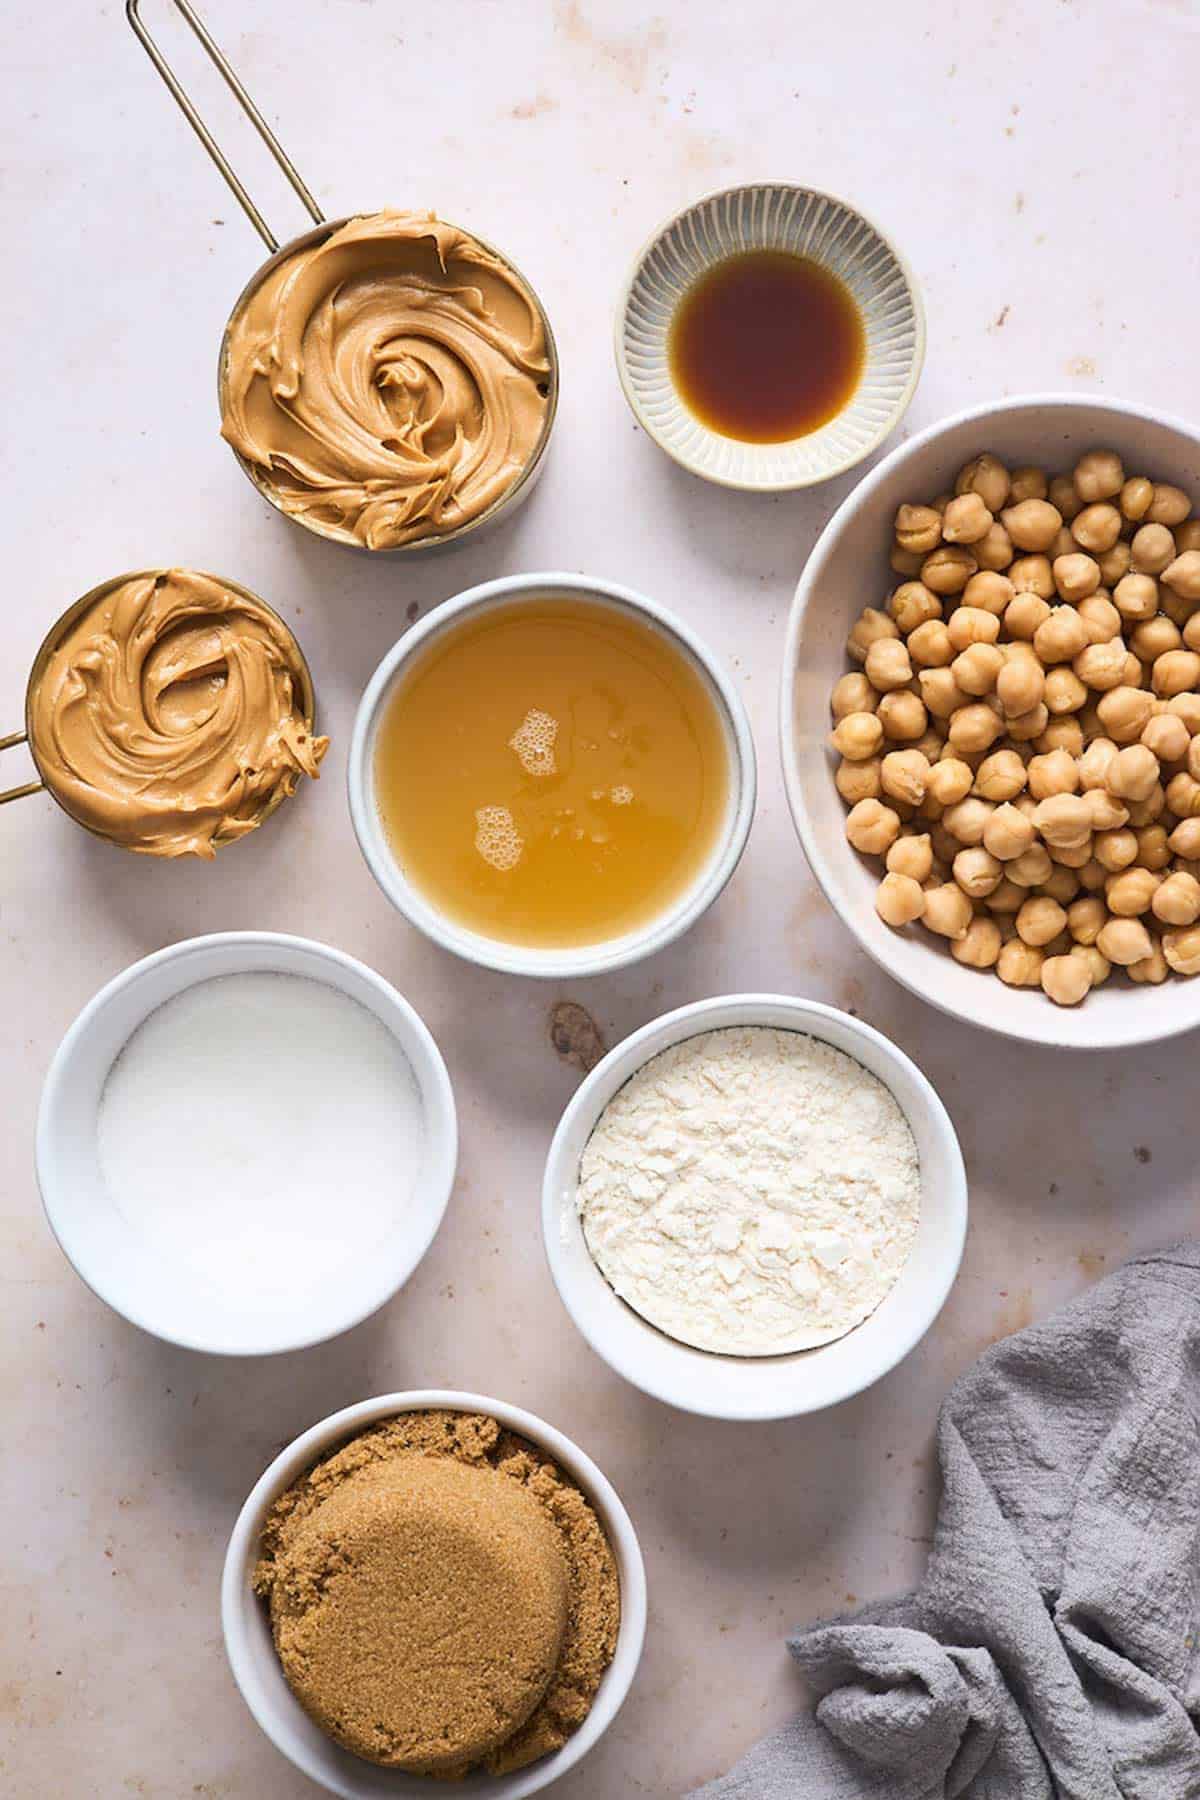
[766,346]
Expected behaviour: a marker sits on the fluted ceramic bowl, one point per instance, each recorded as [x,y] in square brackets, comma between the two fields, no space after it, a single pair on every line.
[771,216]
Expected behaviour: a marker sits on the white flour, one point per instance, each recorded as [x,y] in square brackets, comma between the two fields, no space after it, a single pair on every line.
[751,1191]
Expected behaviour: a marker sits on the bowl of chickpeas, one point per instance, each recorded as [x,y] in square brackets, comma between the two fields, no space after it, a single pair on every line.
[990,719]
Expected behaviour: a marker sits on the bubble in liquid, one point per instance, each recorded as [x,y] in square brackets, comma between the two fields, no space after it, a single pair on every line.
[621,795]
[496,837]
[534,740]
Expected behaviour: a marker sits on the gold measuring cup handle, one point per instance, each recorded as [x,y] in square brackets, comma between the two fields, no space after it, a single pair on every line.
[222,64]
[31,787]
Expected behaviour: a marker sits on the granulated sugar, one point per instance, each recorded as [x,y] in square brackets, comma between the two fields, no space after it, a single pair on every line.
[261,1128]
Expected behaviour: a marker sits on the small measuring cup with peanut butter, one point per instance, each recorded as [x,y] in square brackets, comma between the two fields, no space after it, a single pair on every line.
[170,712]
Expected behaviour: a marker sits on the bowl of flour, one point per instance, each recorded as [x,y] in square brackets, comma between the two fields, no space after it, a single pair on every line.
[754,1207]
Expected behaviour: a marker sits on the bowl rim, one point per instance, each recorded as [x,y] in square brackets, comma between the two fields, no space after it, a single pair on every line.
[631,1055]
[419,1046]
[585,959]
[1155,1029]
[346,1423]
[745,485]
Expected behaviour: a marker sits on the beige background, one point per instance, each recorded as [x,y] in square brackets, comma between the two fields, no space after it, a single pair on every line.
[1035,163]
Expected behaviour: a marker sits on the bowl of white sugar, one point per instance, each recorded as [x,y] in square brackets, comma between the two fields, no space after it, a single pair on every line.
[754,1207]
[246,1143]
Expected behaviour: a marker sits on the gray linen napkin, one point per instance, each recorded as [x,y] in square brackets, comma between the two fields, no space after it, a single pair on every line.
[1051,1651]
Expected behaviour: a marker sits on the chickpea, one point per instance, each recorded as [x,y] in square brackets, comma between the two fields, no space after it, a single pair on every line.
[1101,666]
[1130,893]
[1175,672]
[1152,549]
[1145,812]
[1060,637]
[1191,631]
[1136,596]
[1135,673]
[1125,713]
[1114,563]
[1187,708]
[1187,536]
[899,900]
[1153,850]
[1170,505]
[1075,576]
[1092,875]
[904,775]
[988,591]
[1183,575]
[948,911]
[1098,967]
[1024,615]
[1063,494]
[1097,528]
[1154,637]
[1027,483]
[1065,979]
[918,528]
[1152,968]
[976,669]
[872,827]
[911,856]
[1029,726]
[1183,793]
[986,476]
[1115,850]
[1106,813]
[1098,475]
[1177,609]
[974,728]
[870,625]
[1020,685]
[1074,856]
[1033,575]
[1065,693]
[994,549]
[977,872]
[967,819]
[911,604]
[1177,900]
[905,562]
[1182,950]
[1062,884]
[1136,496]
[1031,868]
[948,569]
[857,781]
[980,945]
[1008,834]
[972,625]
[1185,839]
[902,716]
[1039,920]
[929,645]
[1125,941]
[950,781]
[857,736]
[1064,821]
[945,849]
[1031,523]
[1085,918]
[852,693]
[1020,964]
[887,665]
[966,519]
[940,692]
[1000,776]
[1054,773]
[1101,618]
[1006,899]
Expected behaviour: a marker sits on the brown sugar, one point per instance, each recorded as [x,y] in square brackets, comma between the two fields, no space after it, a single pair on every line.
[442,1596]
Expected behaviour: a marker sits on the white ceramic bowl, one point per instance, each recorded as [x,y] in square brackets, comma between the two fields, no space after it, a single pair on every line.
[133,1275]
[759,1387]
[771,216]
[495,953]
[848,569]
[256,1667]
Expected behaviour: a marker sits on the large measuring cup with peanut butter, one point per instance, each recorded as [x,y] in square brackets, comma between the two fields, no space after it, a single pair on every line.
[170,712]
[387,380]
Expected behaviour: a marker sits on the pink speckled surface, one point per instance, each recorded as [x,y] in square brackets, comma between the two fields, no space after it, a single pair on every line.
[1032,163]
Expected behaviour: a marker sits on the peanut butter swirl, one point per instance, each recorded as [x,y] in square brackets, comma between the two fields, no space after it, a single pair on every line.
[391,383]
[170,716]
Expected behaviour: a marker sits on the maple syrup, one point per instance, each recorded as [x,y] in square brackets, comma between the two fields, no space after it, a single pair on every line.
[766,346]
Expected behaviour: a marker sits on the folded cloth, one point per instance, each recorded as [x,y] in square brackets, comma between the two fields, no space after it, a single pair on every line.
[1051,1651]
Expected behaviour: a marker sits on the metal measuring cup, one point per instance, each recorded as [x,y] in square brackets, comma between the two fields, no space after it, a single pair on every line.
[62,627]
[323,228]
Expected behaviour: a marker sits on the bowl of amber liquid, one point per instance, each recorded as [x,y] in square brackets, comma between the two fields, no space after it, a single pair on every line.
[551,776]
[769,337]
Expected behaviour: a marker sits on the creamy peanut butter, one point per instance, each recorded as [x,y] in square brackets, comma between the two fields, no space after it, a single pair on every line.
[391,383]
[170,716]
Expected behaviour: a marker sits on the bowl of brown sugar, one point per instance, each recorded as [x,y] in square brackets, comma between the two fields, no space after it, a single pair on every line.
[433,1586]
